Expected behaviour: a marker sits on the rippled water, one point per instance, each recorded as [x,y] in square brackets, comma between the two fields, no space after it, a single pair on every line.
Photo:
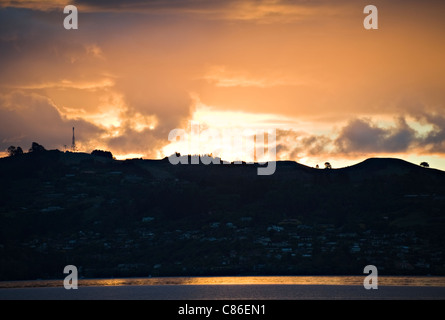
[252,280]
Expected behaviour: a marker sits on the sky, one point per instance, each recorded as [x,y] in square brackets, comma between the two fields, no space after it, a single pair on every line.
[135,70]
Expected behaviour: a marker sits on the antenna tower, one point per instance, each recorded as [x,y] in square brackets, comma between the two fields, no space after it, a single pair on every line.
[73,145]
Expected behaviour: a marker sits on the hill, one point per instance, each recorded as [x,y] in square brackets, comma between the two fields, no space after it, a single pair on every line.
[149,217]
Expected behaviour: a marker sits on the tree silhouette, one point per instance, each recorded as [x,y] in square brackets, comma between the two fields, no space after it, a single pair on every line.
[327,165]
[36,148]
[13,151]
[101,153]
[425,164]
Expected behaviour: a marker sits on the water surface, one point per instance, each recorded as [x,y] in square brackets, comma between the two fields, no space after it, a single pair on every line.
[243,280]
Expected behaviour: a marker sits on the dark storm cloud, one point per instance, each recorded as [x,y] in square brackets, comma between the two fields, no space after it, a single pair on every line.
[362,135]
[25,118]
[33,41]
[140,142]
[80,70]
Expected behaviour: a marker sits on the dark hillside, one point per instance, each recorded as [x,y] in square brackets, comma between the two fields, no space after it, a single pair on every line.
[141,217]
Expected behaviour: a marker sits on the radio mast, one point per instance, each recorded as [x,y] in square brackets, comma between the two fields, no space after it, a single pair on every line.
[73,145]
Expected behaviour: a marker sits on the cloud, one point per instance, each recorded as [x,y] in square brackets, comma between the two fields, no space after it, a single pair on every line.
[294,145]
[35,4]
[264,10]
[86,78]
[260,11]
[69,84]
[128,72]
[434,140]
[220,76]
[363,136]
[146,142]
[25,118]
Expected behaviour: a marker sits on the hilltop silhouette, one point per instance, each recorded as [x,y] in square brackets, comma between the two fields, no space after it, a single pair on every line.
[148,217]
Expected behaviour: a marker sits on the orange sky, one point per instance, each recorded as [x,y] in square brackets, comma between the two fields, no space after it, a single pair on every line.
[135,70]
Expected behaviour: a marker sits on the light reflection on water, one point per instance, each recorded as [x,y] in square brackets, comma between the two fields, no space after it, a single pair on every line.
[251,280]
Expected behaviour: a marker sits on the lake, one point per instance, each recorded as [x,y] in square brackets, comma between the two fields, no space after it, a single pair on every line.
[228,288]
